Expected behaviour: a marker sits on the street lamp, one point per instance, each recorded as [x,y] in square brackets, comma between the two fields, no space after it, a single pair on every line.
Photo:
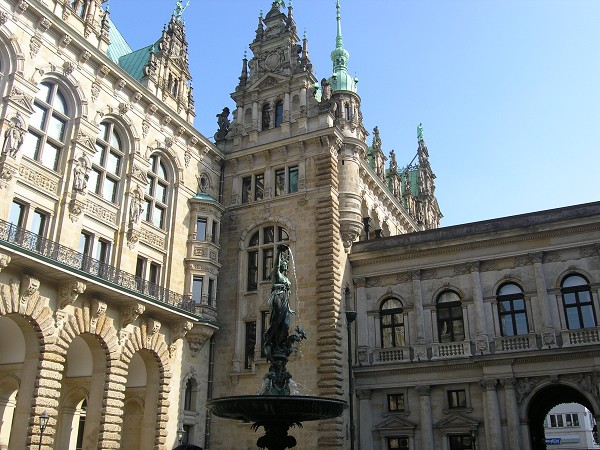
[350,317]
[180,433]
[473,434]
[43,424]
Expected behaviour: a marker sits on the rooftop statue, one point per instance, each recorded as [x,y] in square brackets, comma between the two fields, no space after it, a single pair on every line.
[179,9]
[224,124]
[420,132]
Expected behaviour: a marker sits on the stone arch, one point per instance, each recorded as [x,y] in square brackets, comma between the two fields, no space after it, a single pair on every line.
[124,123]
[147,338]
[91,319]
[277,220]
[173,159]
[507,280]
[11,52]
[580,388]
[572,270]
[23,300]
[447,287]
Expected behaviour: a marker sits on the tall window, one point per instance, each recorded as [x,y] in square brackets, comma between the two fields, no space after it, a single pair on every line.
[286,180]
[253,187]
[511,309]
[197,282]
[266,116]
[47,131]
[80,412]
[392,324]
[105,175]
[86,242]
[395,402]
[450,317]
[200,229]
[261,247]
[577,302]
[17,214]
[278,113]
[157,192]
[79,6]
[250,344]
[189,400]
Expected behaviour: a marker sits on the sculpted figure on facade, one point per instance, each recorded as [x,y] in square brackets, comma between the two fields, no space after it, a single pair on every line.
[80,175]
[13,138]
[224,124]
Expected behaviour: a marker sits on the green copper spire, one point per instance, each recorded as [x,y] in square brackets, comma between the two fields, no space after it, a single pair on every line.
[341,79]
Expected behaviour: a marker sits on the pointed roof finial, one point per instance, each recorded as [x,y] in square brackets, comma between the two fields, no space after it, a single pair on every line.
[341,80]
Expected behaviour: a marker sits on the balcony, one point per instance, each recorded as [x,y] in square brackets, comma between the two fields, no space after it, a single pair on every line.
[576,338]
[391,355]
[451,349]
[515,343]
[61,257]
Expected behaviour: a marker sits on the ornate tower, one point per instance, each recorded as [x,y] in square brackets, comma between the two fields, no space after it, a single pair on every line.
[167,71]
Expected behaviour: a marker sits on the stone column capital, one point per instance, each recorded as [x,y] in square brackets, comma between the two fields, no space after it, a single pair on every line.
[423,390]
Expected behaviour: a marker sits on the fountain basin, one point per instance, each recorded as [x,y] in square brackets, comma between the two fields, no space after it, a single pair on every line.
[262,409]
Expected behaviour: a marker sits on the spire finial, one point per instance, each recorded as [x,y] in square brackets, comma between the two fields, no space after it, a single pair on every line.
[420,132]
[339,41]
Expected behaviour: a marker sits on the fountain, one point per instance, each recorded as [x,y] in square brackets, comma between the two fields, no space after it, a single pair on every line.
[275,408]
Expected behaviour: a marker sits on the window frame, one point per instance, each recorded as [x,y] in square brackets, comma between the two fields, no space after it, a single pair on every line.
[285,174]
[260,249]
[576,291]
[251,190]
[512,312]
[105,150]
[38,139]
[158,163]
[249,343]
[392,313]
[443,305]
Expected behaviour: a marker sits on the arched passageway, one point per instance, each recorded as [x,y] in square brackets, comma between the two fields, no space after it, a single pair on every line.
[543,401]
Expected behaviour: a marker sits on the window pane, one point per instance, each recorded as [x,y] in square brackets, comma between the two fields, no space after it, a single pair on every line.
[31,145]
[56,128]
[399,336]
[60,104]
[161,193]
[246,189]
[115,140]
[94,181]
[587,314]
[293,180]
[158,216]
[38,117]
[113,163]
[267,262]
[50,156]
[110,190]
[570,298]
[252,270]
[102,131]
[574,280]
[279,182]
[44,92]
[16,214]
[269,236]
[521,323]
[162,171]
[387,338]
[200,229]
[572,319]
[507,326]
[259,187]
[254,240]
[197,289]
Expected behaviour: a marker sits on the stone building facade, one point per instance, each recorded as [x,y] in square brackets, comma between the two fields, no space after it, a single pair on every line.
[477,330]
[109,234]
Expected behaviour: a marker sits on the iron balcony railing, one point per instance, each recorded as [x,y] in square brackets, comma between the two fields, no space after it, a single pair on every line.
[39,245]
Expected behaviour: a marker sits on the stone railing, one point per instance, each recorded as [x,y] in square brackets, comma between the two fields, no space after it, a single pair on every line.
[450,349]
[390,355]
[575,338]
[515,343]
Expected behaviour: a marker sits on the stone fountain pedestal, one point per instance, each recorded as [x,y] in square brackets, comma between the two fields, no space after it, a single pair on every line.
[277,414]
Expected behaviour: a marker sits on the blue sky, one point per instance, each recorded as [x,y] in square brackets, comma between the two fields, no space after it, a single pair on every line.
[508,90]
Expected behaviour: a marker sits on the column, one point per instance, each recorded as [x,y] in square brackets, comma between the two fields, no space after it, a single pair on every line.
[493,425]
[548,337]
[481,337]
[512,414]
[365,423]
[426,420]
[421,347]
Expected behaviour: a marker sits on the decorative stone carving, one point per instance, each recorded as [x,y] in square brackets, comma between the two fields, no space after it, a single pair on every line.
[34,45]
[423,390]
[524,387]
[3,17]
[152,328]
[145,127]
[365,394]
[178,331]
[29,286]
[95,90]
[13,136]
[130,312]
[197,337]
[123,108]
[68,68]
[68,293]
[4,260]
[97,309]
[508,383]
[489,384]
[84,57]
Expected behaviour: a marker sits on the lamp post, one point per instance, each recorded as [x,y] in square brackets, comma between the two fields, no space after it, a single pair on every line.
[473,434]
[43,423]
[350,317]
[180,433]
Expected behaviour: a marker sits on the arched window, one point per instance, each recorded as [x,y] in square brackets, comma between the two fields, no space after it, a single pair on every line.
[266,116]
[391,318]
[451,327]
[511,310]
[577,302]
[48,126]
[105,176]
[261,251]
[278,113]
[189,396]
[157,192]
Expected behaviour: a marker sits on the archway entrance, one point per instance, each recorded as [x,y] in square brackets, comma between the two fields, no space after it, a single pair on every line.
[542,402]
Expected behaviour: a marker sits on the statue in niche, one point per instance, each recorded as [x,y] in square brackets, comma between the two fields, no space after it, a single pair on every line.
[224,124]
[80,175]
[13,138]
[135,208]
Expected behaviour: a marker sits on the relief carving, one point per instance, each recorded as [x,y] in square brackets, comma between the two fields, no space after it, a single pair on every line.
[68,293]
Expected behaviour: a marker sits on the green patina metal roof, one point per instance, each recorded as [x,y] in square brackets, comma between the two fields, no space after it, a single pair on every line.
[341,80]
[205,197]
[118,46]
[134,62]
